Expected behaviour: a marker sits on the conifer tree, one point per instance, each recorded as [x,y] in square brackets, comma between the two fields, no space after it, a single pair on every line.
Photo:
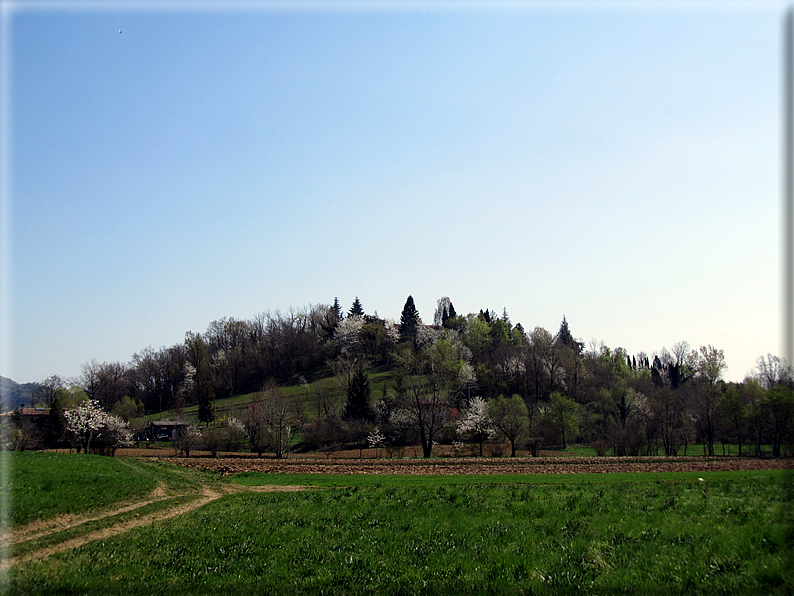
[409,321]
[452,314]
[356,309]
[357,406]
[566,338]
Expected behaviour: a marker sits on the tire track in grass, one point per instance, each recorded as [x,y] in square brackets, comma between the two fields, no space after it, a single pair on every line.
[44,527]
[207,495]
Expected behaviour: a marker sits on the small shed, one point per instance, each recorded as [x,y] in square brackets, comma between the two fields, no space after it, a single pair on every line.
[166,430]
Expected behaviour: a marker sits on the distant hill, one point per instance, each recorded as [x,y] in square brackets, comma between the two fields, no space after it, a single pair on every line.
[12,394]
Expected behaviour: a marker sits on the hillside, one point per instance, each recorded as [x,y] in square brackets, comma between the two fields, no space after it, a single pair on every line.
[12,394]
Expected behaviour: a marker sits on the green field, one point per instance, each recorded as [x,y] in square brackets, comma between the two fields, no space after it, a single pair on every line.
[729,533]
[47,484]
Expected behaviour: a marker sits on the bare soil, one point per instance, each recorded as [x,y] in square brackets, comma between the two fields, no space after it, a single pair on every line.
[228,466]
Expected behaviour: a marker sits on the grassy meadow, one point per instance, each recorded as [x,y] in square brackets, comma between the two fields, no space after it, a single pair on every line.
[691,533]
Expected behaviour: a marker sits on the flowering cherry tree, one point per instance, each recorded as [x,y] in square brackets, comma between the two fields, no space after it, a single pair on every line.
[89,422]
[476,422]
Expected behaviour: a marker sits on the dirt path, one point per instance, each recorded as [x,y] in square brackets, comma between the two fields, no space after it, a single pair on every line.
[45,527]
[40,529]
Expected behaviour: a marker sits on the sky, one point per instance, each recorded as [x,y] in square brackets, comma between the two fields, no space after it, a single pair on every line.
[167,165]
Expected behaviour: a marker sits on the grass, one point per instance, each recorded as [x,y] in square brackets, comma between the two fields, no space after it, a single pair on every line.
[729,533]
[389,480]
[44,485]
[58,537]
[237,404]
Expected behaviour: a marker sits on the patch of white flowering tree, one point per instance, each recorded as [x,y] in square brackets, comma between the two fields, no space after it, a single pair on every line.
[90,425]
[476,423]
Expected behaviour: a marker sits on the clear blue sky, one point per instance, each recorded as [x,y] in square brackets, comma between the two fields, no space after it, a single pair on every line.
[615,165]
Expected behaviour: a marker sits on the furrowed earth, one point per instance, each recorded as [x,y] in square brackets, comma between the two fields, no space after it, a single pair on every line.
[229,466]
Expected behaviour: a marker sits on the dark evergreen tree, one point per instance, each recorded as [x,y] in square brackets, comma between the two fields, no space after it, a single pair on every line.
[451,314]
[565,336]
[55,425]
[357,407]
[356,309]
[337,310]
[486,315]
[409,320]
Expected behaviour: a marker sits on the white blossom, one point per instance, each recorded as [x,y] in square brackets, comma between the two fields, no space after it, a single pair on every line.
[346,334]
[89,422]
[392,332]
[474,420]
[376,438]
[235,424]
[426,335]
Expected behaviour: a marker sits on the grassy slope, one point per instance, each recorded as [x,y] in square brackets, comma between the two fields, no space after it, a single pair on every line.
[233,406]
[608,533]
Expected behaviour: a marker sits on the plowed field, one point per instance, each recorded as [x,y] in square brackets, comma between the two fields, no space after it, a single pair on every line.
[228,466]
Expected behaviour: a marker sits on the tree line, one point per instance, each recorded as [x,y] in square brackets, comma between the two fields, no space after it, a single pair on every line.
[464,377]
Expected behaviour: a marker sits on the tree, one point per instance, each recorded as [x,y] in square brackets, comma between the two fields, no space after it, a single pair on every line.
[565,337]
[357,407]
[475,422]
[779,405]
[423,402]
[256,427]
[128,408]
[189,438]
[279,416]
[23,433]
[348,335]
[562,414]
[373,337]
[201,382]
[774,370]
[44,394]
[88,422]
[356,310]
[55,426]
[409,321]
[443,308]
[510,416]
[733,410]
[709,364]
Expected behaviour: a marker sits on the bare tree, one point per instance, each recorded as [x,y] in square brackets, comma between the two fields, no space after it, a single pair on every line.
[510,416]
[773,370]
[280,417]
[424,401]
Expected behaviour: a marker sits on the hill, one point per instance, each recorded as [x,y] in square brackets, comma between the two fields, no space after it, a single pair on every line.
[13,394]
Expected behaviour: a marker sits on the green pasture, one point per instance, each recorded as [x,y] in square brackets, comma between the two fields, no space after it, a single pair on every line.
[667,533]
[237,404]
[41,485]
